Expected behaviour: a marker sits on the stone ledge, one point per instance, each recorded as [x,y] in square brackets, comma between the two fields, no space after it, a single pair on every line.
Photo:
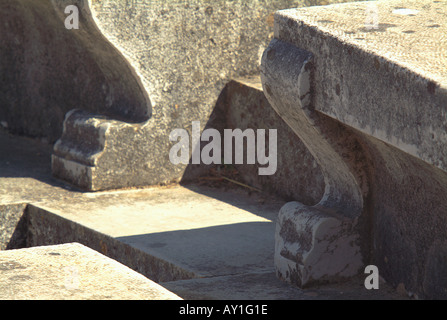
[71,271]
[388,82]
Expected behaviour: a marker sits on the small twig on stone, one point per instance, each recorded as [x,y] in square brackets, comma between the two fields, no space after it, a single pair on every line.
[231,180]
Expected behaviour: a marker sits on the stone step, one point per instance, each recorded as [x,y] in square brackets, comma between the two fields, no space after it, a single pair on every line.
[72,272]
[197,241]
[166,233]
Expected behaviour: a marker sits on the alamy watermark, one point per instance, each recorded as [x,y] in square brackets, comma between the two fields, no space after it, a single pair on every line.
[372,16]
[72,20]
[71,277]
[211,153]
[372,281]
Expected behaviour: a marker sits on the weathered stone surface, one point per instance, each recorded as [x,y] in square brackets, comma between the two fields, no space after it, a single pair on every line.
[187,51]
[114,223]
[48,70]
[388,82]
[12,226]
[165,233]
[98,154]
[388,85]
[72,271]
[242,104]
[383,196]
[409,204]
[319,243]
[184,53]
[246,107]
[45,227]
[311,246]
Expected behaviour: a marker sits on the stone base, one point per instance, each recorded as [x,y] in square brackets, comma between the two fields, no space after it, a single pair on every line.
[311,246]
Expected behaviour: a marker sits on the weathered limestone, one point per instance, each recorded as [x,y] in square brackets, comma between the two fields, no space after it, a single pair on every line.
[126,57]
[184,53]
[48,70]
[319,242]
[368,101]
[242,104]
[389,82]
[181,55]
[199,242]
[385,170]
[12,226]
[72,271]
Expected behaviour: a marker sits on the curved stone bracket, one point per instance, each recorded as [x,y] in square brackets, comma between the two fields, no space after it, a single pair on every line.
[321,242]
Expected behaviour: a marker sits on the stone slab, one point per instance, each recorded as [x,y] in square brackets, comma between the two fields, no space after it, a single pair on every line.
[72,271]
[226,230]
[379,67]
[202,232]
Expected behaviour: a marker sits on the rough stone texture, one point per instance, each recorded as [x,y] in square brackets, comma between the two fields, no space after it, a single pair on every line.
[392,93]
[33,178]
[247,107]
[72,271]
[44,227]
[115,223]
[242,104]
[410,215]
[130,225]
[12,226]
[185,53]
[266,286]
[319,243]
[312,247]
[48,70]
[177,54]
[389,82]
[166,234]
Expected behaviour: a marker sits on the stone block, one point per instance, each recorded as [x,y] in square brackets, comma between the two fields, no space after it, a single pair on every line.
[388,82]
[72,272]
[181,55]
[45,227]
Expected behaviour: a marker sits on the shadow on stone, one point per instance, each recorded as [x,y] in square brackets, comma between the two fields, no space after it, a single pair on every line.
[242,105]
[48,70]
